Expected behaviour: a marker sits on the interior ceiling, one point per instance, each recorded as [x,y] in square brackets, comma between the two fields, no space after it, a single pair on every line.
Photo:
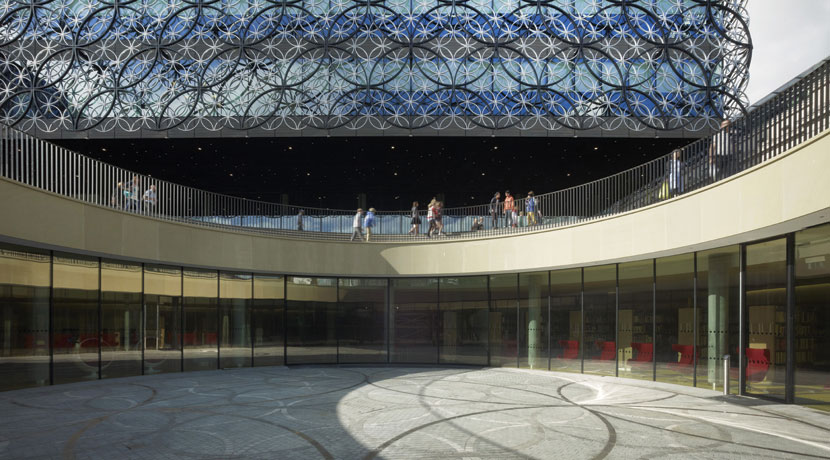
[391,171]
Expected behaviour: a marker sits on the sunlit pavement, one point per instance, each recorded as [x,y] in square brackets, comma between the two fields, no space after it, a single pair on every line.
[396,412]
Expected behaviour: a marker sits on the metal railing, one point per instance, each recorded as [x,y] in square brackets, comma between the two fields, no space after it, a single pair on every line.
[783,120]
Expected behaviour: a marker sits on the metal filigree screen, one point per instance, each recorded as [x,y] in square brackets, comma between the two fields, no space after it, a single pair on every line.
[550,67]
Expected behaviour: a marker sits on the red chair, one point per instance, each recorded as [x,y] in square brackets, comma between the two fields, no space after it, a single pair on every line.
[687,353]
[645,352]
[89,340]
[608,351]
[757,364]
[570,349]
[210,338]
[189,338]
[63,341]
[109,340]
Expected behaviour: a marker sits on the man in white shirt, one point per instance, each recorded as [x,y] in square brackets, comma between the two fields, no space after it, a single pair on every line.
[357,225]
[150,200]
[720,152]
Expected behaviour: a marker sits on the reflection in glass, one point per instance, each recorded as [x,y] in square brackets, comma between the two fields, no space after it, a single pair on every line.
[120,319]
[812,317]
[566,320]
[635,347]
[162,319]
[448,320]
[463,313]
[200,338]
[717,315]
[533,320]
[361,323]
[24,317]
[413,335]
[674,342]
[311,320]
[75,318]
[235,292]
[600,325]
[766,316]
[503,317]
[268,320]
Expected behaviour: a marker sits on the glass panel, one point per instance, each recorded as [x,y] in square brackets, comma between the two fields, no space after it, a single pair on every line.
[200,338]
[533,320]
[766,303]
[120,319]
[362,320]
[75,318]
[718,272]
[635,321]
[600,324]
[812,317]
[566,320]
[268,318]
[414,318]
[235,292]
[503,320]
[24,317]
[311,320]
[463,313]
[674,344]
[162,319]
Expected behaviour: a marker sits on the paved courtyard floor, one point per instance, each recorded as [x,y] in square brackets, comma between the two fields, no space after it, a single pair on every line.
[396,412]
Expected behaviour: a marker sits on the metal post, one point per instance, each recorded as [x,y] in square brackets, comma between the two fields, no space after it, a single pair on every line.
[742,339]
[789,387]
[726,360]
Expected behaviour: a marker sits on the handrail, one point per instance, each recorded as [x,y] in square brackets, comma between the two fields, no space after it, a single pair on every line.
[790,117]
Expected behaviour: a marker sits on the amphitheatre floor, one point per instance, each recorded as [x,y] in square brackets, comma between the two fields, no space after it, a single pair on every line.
[399,412]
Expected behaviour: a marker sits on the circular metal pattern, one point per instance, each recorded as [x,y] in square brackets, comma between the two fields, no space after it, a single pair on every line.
[400,412]
[210,65]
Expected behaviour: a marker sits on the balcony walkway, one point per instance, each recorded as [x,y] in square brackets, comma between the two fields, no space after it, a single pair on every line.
[399,412]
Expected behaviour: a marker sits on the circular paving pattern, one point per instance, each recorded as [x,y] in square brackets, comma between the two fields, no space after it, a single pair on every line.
[396,412]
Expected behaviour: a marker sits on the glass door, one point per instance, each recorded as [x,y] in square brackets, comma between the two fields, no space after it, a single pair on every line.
[766,318]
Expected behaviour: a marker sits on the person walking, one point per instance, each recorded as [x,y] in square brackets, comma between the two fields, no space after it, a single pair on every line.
[134,189]
[416,219]
[369,222]
[494,209]
[150,200]
[674,170]
[300,220]
[530,208]
[431,217]
[357,225]
[509,208]
[721,152]
[439,224]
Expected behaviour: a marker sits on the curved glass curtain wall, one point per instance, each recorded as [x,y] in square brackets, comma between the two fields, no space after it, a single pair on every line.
[68,318]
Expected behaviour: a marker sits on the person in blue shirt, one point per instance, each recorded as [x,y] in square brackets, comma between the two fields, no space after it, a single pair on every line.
[369,222]
[530,208]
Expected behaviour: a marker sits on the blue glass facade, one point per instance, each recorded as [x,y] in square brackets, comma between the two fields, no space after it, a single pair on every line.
[207,67]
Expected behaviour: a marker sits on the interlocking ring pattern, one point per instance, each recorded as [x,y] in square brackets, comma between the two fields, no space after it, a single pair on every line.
[211,65]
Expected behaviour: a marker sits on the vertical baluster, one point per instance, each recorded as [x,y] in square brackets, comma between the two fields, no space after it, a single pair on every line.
[3,151]
[3,158]
[14,151]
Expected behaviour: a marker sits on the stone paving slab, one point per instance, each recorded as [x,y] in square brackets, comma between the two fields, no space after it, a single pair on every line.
[398,413]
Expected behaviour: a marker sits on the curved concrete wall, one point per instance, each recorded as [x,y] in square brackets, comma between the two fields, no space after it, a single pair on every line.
[783,195]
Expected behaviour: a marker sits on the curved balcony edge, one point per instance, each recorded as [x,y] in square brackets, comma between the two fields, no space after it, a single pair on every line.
[785,194]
